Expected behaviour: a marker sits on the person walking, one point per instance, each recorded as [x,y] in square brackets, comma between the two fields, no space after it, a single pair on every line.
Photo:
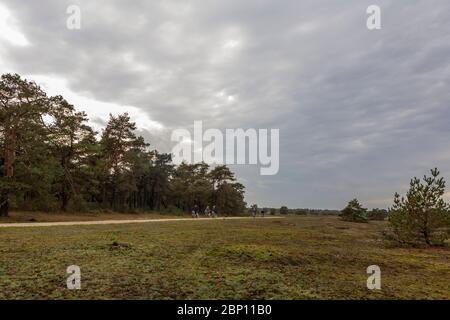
[207,211]
[195,211]
[214,212]
[254,210]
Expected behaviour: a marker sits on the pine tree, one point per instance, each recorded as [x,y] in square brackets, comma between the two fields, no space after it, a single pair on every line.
[22,107]
[423,216]
[354,212]
[69,140]
[120,146]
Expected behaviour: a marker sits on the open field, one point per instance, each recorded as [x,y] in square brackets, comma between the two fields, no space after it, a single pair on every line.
[290,258]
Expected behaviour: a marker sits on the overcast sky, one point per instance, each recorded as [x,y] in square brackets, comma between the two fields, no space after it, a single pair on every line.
[360,112]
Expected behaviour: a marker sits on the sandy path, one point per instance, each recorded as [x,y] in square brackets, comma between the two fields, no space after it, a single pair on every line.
[79,223]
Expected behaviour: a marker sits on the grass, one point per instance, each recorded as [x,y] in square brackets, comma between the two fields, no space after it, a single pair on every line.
[291,258]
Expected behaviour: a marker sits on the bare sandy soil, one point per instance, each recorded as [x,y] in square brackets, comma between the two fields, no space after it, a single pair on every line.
[123,221]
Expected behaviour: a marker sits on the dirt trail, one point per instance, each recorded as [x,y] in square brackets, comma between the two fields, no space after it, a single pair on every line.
[78,223]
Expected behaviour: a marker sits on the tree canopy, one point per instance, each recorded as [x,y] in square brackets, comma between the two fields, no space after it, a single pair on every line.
[52,160]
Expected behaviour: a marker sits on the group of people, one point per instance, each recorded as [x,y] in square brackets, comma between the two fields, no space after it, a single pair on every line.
[209,212]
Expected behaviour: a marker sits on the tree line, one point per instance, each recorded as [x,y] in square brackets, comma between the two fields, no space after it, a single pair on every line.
[284,210]
[52,160]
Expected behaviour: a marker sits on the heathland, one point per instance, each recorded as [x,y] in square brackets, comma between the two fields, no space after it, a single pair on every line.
[307,257]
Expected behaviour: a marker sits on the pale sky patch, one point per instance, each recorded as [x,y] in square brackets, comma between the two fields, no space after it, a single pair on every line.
[95,109]
[9,31]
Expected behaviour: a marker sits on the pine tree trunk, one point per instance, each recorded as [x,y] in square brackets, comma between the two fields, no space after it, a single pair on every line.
[64,193]
[426,237]
[10,157]
[64,201]
[4,204]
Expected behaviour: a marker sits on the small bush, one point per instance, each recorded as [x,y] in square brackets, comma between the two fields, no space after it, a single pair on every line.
[354,212]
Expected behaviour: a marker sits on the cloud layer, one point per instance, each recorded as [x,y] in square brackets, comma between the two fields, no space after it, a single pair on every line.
[360,112]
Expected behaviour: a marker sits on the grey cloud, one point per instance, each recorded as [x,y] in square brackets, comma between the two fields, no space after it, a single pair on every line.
[359,112]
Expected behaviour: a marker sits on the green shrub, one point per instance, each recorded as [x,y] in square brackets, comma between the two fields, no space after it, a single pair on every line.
[377,214]
[354,212]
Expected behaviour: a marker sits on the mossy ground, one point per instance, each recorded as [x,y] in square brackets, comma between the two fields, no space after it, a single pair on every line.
[290,258]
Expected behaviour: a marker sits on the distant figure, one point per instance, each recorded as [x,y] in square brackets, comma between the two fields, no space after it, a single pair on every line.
[195,212]
[254,211]
[207,211]
[214,211]
[262,213]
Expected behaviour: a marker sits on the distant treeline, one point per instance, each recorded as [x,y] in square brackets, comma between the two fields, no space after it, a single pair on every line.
[51,160]
[374,214]
[314,212]
[285,210]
